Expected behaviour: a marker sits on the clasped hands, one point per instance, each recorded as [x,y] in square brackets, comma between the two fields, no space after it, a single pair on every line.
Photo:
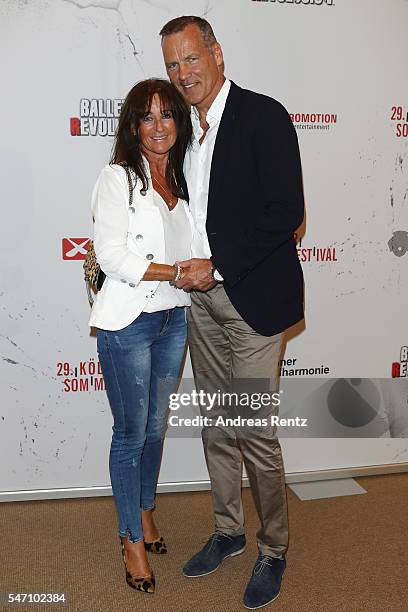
[196,275]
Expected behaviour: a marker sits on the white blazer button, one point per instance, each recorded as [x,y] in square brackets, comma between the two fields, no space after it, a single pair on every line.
[149,256]
[139,237]
[132,285]
[123,280]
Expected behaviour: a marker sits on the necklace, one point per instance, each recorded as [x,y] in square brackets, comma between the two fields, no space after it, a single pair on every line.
[171,203]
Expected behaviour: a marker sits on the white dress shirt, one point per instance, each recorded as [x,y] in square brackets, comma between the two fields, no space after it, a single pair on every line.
[177,244]
[197,167]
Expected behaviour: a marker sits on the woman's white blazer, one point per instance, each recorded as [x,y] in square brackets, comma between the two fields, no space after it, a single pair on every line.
[126,240]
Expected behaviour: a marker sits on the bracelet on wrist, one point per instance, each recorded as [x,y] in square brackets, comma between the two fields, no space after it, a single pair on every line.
[178,272]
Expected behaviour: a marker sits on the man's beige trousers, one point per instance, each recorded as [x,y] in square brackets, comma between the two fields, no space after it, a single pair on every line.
[226,353]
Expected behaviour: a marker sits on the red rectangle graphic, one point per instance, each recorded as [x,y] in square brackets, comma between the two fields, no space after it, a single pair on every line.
[74,248]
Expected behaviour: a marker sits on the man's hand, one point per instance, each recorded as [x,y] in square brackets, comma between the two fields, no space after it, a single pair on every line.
[197,275]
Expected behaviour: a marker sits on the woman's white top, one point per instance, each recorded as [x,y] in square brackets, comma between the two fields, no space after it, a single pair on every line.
[126,240]
[177,241]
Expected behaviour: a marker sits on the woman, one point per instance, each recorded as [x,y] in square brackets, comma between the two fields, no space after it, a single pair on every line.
[139,313]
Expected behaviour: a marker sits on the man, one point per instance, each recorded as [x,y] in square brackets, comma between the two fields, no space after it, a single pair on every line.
[244,179]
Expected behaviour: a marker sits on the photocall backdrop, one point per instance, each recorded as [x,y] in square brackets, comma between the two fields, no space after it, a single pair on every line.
[339,67]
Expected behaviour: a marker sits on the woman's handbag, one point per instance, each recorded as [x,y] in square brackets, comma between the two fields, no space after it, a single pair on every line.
[94,276]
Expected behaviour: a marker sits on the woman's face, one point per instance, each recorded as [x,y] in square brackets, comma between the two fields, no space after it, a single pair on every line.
[157,130]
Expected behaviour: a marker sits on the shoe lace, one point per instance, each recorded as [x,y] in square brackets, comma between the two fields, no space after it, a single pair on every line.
[261,563]
[216,537]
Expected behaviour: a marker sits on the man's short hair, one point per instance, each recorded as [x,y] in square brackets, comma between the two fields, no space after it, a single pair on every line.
[180,23]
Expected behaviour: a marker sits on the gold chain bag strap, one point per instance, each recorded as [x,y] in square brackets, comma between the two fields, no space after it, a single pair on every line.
[94,276]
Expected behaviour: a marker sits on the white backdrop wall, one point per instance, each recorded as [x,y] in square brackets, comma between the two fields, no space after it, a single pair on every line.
[338,66]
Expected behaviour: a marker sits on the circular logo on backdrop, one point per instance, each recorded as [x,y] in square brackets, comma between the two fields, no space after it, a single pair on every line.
[353,402]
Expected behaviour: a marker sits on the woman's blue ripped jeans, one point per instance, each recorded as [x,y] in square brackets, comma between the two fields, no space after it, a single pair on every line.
[141,367]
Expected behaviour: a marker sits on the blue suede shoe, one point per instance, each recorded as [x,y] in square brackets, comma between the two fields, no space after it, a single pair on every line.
[265,582]
[219,547]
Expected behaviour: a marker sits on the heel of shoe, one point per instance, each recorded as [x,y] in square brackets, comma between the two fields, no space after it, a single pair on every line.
[157,547]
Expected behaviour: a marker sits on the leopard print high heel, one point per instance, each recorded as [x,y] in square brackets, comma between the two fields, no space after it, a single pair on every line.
[146,584]
[157,546]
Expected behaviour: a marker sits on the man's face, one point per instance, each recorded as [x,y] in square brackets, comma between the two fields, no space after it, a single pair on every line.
[193,68]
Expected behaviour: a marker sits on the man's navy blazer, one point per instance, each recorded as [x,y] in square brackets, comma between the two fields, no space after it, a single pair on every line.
[255,204]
